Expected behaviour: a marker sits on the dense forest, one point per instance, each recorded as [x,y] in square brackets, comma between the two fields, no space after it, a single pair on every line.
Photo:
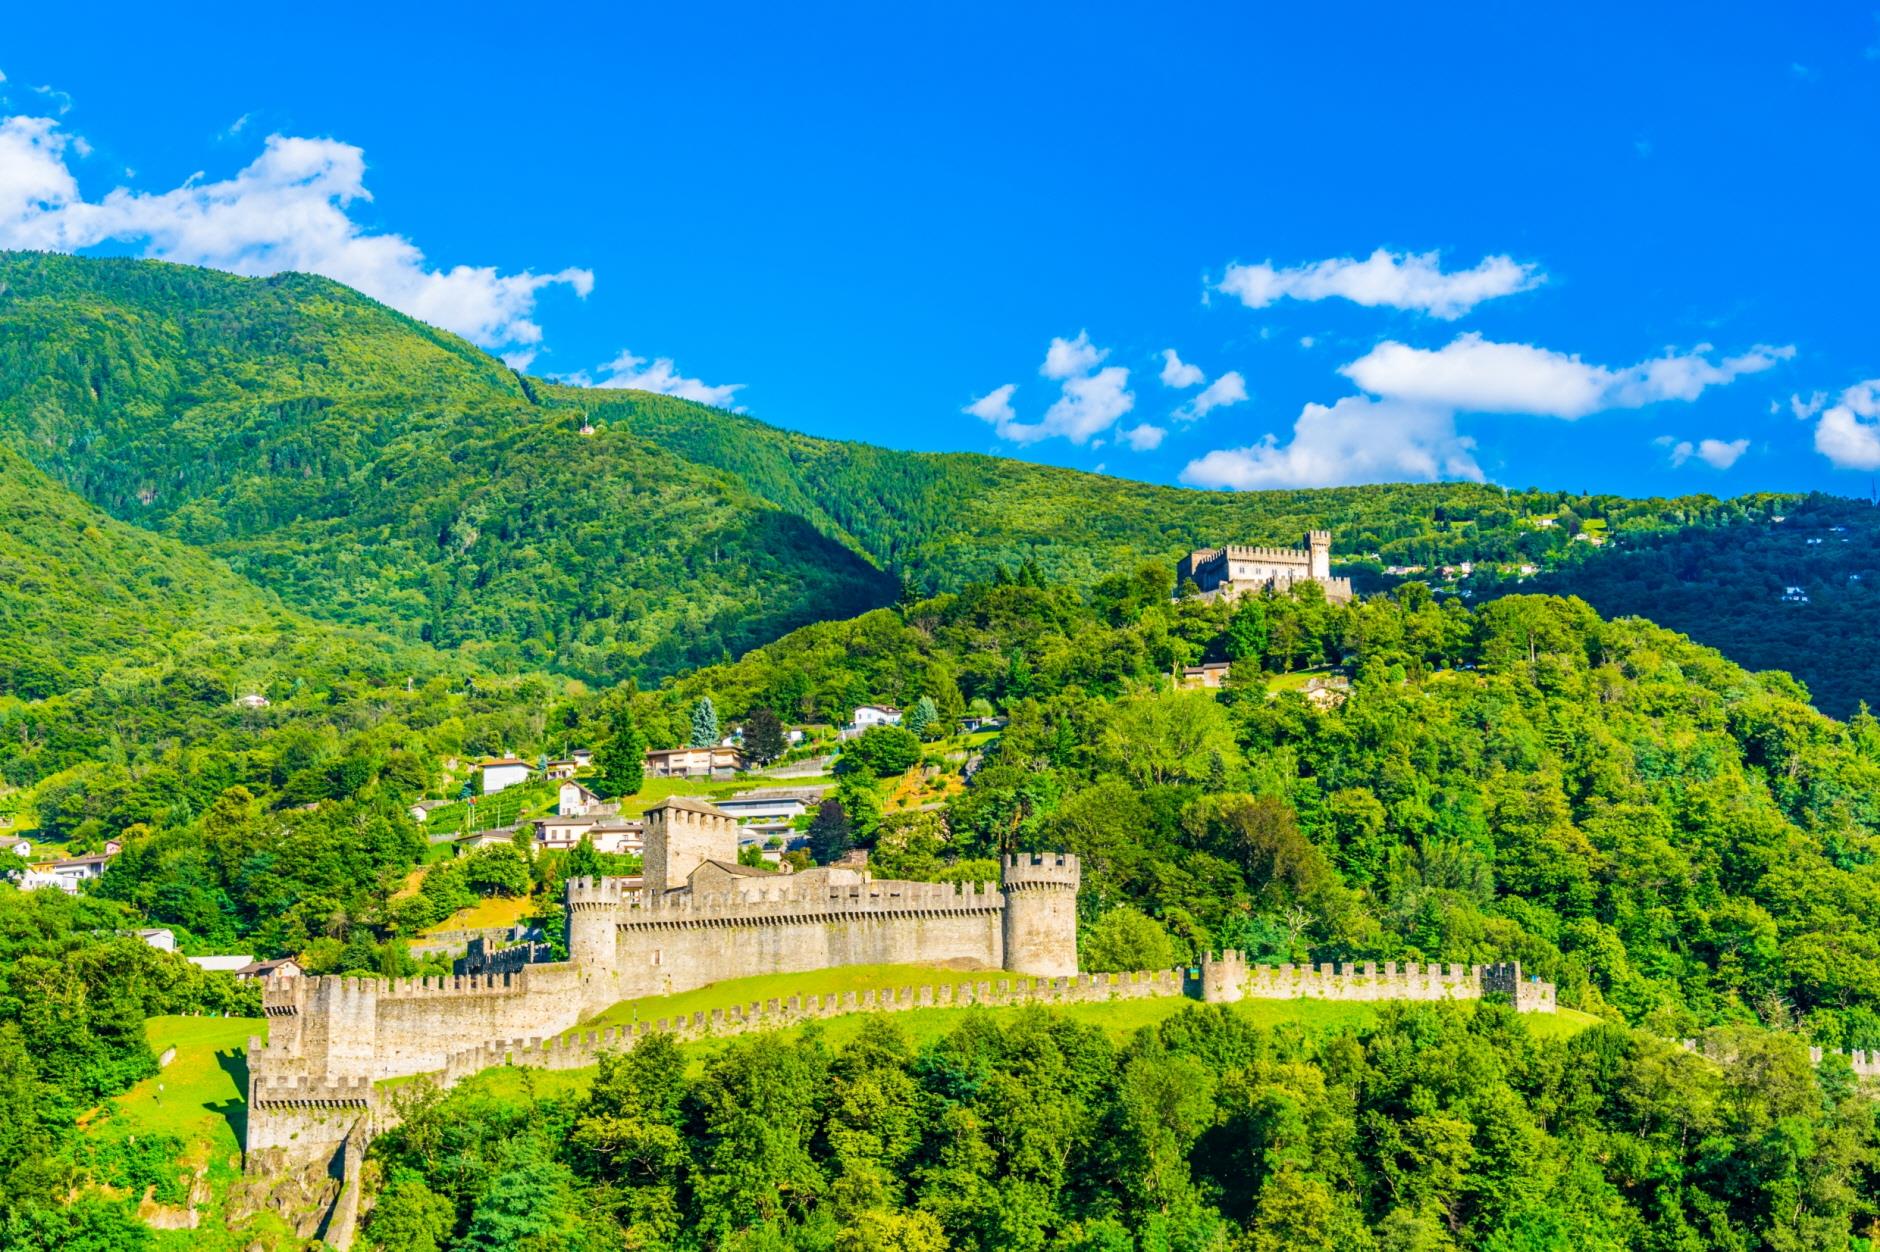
[1436,1129]
[366,470]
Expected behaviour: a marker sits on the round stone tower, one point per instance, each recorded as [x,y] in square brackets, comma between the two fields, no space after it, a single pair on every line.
[593,906]
[1041,913]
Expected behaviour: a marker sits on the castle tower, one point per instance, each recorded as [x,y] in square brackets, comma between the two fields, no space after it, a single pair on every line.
[1040,921]
[1319,559]
[683,833]
[1224,978]
[593,906]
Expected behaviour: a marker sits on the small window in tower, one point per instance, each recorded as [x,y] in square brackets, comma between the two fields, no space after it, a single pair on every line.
[656,955]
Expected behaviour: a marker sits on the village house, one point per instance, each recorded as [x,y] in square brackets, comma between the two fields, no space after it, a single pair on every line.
[155,937]
[485,839]
[19,847]
[563,768]
[280,967]
[770,804]
[875,715]
[716,761]
[66,875]
[503,772]
[607,833]
[574,800]
[422,810]
[1209,675]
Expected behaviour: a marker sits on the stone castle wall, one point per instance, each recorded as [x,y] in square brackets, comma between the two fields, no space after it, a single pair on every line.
[1229,977]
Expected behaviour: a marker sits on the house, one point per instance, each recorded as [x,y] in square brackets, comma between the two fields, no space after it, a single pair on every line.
[161,940]
[280,967]
[876,715]
[574,800]
[67,874]
[582,757]
[222,964]
[1208,675]
[607,833]
[772,804]
[712,762]
[503,772]
[113,846]
[253,700]
[19,847]
[615,836]
[422,810]
[563,768]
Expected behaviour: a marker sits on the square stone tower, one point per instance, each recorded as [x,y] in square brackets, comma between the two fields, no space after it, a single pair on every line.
[683,833]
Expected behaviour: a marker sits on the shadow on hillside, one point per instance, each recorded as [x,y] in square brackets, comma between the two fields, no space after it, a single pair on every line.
[234,1063]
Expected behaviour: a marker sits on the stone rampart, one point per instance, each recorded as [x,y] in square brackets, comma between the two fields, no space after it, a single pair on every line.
[1229,977]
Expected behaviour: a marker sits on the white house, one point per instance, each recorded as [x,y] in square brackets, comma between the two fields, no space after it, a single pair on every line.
[504,772]
[876,715]
[20,847]
[768,805]
[253,700]
[280,967]
[562,768]
[574,800]
[66,875]
[161,940]
[607,833]
[422,810]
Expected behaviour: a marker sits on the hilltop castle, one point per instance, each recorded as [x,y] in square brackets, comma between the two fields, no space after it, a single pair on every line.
[1232,572]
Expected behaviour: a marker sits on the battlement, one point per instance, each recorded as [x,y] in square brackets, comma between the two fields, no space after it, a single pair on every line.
[302,1089]
[1229,977]
[1028,870]
[586,892]
[784,903]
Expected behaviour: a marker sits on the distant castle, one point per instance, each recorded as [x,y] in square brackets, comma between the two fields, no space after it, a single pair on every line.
[1232,572]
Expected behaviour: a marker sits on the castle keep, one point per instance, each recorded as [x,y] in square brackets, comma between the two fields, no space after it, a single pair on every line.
[1232,572]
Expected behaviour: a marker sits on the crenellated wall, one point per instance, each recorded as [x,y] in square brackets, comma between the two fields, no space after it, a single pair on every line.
[1229,977]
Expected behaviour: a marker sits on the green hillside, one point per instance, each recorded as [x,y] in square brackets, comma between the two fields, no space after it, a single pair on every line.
[369,470]
[372,470]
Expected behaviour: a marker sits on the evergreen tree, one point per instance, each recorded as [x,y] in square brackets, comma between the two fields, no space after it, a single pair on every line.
[924,718]
[704,723]
[830,834]
[763,736]
[621,758]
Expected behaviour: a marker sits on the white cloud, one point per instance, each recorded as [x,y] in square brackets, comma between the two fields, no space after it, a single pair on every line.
[287,210]
[1715,453]
[1230,388]
[1478,375]
[995,405]
[1805,409]
[1143,438]
[1067,358]
[1848,433]
[1406,426]
[1089,402]
[1384,279]
[629,371]
[1359,439]
[1177,373]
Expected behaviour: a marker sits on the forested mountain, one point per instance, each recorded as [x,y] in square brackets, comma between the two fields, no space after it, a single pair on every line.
[369,470]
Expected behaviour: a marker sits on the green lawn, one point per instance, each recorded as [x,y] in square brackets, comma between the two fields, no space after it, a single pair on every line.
[200,1097]
[736,991]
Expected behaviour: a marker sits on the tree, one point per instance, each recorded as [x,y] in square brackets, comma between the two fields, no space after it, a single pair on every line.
[830,834]
[1127,939]
[882,751]
[704,723]
[583,861]
[923,720]
[763,736]
[621,758]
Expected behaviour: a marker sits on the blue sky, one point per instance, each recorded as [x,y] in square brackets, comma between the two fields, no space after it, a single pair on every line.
[1602,248]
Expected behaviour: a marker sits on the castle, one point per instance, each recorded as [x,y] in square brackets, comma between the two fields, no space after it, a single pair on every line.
[314,1089]
[1232,572]
[697,917]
